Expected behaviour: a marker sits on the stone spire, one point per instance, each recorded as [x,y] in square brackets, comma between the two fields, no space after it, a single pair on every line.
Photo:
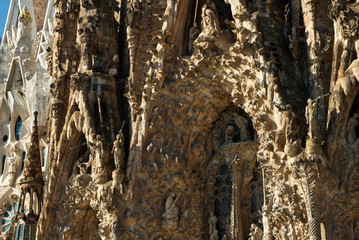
[31,189]
[32,175]
[31,182]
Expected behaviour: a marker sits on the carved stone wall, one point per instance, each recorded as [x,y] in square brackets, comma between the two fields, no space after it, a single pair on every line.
[196,119]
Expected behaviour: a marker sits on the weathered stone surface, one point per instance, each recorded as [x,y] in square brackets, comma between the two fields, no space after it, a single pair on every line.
[196,119]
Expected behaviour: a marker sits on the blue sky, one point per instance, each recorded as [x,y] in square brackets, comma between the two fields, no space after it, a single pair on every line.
[4,7]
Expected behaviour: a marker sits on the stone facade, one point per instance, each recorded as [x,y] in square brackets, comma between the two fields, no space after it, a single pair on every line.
[195,119]
[24,89]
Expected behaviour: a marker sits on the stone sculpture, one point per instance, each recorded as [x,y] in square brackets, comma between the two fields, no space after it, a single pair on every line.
[311,114]
[214,235]
[256,233]
[118,150]
[171,211]
[212,223]
[12,167]
[242,124]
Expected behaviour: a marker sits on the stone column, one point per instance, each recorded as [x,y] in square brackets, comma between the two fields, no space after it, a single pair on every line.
[236,212]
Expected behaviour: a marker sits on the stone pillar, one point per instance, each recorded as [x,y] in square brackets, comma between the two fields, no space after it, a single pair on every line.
[236,214]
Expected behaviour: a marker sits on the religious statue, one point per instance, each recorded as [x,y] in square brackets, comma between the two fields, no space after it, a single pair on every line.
[117,150]
[98,151]
[169,16]
[229,134]
[214,235]
[210,24]
[267,226]
[276,196]
[242,124]
[311,113]
[255,232]
[351,128]
[98,161]
[171,211]
[12,167]
[212,223]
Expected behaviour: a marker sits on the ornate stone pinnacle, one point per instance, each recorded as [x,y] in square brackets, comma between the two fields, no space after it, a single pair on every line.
[32,168]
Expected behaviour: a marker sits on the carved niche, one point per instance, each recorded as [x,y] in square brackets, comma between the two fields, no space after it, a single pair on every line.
[234,184]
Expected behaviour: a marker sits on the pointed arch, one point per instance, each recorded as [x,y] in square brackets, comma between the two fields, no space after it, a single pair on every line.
[18,128]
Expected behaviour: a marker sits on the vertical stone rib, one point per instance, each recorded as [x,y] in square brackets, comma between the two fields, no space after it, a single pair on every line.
[310,177]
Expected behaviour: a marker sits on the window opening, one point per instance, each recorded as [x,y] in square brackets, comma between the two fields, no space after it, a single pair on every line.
[3,164]
[18,128]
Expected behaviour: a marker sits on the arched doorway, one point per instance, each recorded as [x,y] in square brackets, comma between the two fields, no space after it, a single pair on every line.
[233,179]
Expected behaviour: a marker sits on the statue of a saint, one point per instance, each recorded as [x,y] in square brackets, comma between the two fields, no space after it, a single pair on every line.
[214,235]
[242,124]
[211,28]
[311,113]
[98,151]
[267,226]
[229,134]
[171,211]
[118,150]
[255,232]
[212,223]
[98,160]
[12,167]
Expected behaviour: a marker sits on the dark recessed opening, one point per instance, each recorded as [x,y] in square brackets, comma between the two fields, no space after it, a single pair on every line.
[5,138]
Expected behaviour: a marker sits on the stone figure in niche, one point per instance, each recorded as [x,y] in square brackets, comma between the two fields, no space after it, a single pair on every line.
[242,124]
[214,235]
[277,192]
[210,24]
[212,223]
[351,128]
[80,166]
[215,142]
[119,156]
[99,150]
[171,211]
[97,155]
[255,232]
[12,167]
[267,226]
[118,150]
[229,134]
[169,16]
[193,34]
[311,114]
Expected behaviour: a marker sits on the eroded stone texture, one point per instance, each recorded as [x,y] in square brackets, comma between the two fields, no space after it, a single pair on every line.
[227,131]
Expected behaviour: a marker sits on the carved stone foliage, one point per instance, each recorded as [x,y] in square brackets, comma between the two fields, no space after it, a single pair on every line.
[227,121]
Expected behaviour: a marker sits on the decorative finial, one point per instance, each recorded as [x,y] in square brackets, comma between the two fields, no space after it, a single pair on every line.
[35,114]
[25,16]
